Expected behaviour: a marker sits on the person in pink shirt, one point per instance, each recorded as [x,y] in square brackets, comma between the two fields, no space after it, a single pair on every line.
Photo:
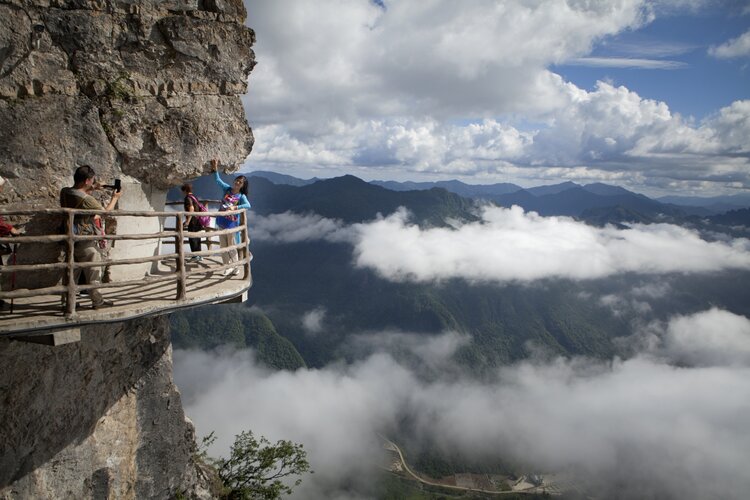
[6,229]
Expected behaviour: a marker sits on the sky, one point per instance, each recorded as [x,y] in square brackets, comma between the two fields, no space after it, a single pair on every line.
[653,96]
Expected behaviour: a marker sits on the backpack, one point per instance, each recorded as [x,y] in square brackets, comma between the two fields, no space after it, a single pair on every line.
[204,220]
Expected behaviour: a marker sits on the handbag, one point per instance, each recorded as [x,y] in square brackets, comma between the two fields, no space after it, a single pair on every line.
[204,220]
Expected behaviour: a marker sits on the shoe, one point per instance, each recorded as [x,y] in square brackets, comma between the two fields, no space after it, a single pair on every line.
[195,258]
[103,303]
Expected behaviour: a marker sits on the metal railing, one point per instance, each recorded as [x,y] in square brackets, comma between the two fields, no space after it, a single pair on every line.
[177,236]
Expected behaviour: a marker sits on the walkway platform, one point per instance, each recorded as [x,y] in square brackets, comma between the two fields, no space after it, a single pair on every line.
[41,314]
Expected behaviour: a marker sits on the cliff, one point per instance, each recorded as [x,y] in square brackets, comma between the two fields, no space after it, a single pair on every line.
[142,90]
[99,418]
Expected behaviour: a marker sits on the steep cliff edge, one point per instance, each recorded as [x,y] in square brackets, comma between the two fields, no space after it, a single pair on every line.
[142,90]
[99,418]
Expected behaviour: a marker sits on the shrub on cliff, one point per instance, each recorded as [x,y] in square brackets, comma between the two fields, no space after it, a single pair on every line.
[255,469]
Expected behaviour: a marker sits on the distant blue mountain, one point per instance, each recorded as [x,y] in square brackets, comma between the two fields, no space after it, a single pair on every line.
[597,201]
[606,189]
[574,200]
[353,200]
[453,186]
[552,189]
[697,201]
[277,178]
[714,205]
[204,187]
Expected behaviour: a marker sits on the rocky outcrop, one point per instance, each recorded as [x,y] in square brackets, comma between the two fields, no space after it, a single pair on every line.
[95,419]
[142,90]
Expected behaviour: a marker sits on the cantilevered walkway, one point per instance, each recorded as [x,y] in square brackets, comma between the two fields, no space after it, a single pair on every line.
[158,282]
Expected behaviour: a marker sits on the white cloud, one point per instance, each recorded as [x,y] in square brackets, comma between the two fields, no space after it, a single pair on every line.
[464,90]
[312,320]
[711,338]
[736,47]
[627,62]
[435,57]
[289,227]
[638,428]
[510,245]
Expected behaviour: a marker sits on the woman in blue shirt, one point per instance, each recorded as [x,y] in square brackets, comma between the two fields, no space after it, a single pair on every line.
[234,200]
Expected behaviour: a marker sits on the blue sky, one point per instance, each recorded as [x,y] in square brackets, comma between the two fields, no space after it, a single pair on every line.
[653,96]
[697,84]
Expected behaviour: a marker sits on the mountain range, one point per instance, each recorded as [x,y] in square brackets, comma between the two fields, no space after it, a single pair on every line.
[357,311]
[354,200]
[292,279]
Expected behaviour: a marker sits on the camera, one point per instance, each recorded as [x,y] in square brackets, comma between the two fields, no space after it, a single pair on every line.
[117,186]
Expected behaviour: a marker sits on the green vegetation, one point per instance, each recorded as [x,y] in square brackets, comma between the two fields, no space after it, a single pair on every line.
[500,320]
[255,469]
[209,327]
[120,88]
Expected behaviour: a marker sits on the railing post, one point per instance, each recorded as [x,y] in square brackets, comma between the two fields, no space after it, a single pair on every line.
[180,245]
[70,305]
[244,239]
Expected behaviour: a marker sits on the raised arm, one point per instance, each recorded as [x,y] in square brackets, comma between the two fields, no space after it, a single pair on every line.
[215,169]
[115,196]
[243,203]
[223,185]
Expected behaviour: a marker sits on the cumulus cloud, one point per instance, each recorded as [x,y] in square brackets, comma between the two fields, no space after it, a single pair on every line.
[711,338]
[465,90]
[508,244]
[289,227]
[312,321]
[511,245]
[636,428]
[436,58]
[736,47]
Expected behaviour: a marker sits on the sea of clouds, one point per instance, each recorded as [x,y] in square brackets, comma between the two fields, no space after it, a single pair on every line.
[668,422]
[508,244]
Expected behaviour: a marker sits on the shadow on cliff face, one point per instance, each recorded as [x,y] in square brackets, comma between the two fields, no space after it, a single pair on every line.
[53,397]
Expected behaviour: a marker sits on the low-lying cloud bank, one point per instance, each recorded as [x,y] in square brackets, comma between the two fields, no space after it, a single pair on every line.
[670,422]
[509,244]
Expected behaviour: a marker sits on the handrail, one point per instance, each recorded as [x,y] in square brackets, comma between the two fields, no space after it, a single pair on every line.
[69,266]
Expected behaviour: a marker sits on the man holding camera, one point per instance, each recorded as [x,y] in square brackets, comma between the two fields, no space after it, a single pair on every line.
[79,196]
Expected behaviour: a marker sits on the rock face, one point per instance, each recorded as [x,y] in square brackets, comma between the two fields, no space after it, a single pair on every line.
[142,90]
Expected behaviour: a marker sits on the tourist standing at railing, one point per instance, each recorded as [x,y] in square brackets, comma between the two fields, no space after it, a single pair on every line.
[79,196]
[234,200]
[192,223]
[6,230]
